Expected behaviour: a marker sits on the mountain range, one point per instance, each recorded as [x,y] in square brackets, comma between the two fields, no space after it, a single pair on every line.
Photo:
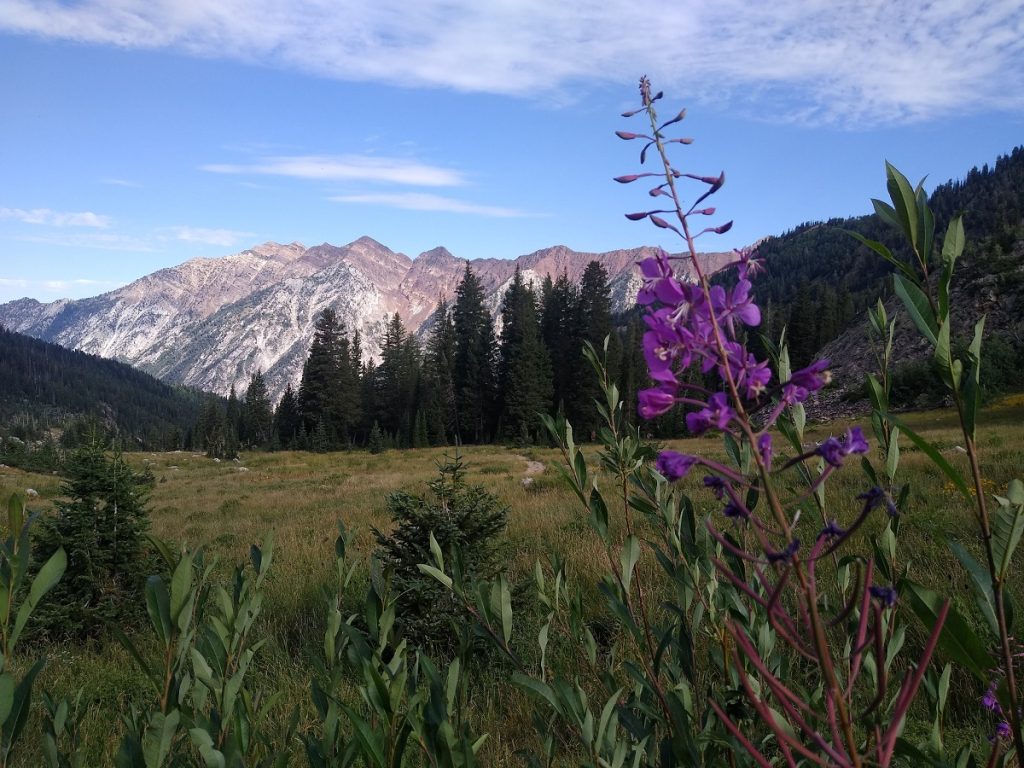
[212,322]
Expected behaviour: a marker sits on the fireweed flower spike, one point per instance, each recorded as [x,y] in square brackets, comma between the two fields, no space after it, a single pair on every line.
[697,332]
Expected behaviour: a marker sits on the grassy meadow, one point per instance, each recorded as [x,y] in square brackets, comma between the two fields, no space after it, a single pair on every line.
[299,497]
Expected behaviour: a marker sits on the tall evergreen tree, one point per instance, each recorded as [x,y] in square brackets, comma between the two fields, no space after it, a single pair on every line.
[257,416]
[287,420]
[560,330]
[595,324]
[525,370]
[438,382]
[329,386]
[475,358]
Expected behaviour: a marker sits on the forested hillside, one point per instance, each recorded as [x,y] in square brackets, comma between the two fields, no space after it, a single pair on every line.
[818,280]
[45,386]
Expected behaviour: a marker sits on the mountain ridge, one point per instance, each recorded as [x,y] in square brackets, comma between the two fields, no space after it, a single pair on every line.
[212,322]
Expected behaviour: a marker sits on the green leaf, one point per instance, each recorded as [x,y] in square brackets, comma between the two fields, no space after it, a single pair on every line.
[19,708]
[952,247]
[505,595]
[158,605]
[435,550]
[917,306]
[181,586]
[368,739]
[537,689]
[972,385]
[885,212]
[892,460]
[904,203]
[6,696]
[929,450]
[628,559]
[1007,529]
[43,582]
[884,252]
[981,582]
[944,359]
[15,514]
[441,576]
[957,640]
[598,513]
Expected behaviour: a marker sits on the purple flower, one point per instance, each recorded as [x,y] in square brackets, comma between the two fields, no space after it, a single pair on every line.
[674,465]
[716,484]
[655,401]
[792,394]
[835,451]
[748,264]
[831,531]
[745,369]
[735,304]
[855,441]
[1003,730]
[876,497]
[885,595]
[989,700]
[717,414]
[813,377]
[735,510]
[659,281]
[764,447]
[786,554]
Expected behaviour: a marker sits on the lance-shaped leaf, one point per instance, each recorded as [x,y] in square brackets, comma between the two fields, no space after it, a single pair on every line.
[1007,528]
[958,639]
[972,385]
[917,306]
[44,581]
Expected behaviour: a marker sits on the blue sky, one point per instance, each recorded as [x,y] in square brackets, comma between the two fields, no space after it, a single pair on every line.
[140,133]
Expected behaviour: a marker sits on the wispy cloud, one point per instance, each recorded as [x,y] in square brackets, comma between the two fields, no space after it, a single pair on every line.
[847,61]
[417,201]
[56,286]
[221,237]
[120,183]
[55,218]
[103,241]
[347,168]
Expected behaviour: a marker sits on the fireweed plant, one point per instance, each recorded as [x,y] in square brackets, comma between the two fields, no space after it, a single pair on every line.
[699,325]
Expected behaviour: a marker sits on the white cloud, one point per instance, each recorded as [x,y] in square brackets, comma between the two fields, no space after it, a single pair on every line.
[348,168]
[222,237]
[55,218]
[851,61]
[120,183]
[56,286]
[102,241]
[416,201]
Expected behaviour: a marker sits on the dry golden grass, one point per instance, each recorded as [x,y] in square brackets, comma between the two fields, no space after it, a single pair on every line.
[299,497]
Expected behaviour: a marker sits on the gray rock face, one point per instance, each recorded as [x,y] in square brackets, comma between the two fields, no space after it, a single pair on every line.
[211,323]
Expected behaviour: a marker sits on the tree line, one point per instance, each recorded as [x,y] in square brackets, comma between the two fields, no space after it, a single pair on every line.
[467,382]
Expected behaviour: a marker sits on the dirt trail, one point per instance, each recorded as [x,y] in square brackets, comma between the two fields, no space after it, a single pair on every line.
[532,467]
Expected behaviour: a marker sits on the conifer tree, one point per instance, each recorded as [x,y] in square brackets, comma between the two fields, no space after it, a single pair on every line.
[560,330]
[525,371]
[257,416]
[595,324]
[287,420]
[475,357]
[438,400]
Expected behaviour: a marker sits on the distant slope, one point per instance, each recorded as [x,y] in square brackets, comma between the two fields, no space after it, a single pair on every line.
[819,281]
[48,385]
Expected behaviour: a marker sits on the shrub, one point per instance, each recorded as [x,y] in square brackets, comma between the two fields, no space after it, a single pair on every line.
[465,520]
[101,527]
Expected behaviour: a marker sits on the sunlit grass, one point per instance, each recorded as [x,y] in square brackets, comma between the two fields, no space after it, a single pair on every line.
[226,506]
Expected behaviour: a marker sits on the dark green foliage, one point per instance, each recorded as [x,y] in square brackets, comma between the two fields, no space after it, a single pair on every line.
[257,417]
[47,386]
[525,370]
[376,443]
[287,421]
[212,433]
[101,527]
[329,391]
[465,520]
[474,374]
[438,383]
[396,382]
